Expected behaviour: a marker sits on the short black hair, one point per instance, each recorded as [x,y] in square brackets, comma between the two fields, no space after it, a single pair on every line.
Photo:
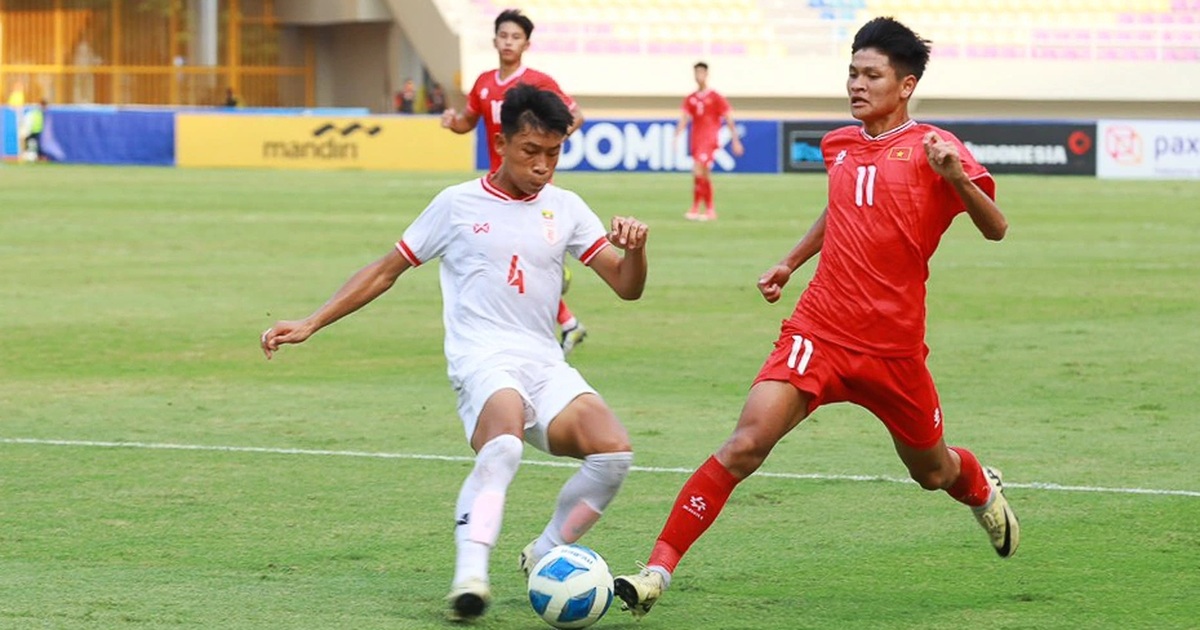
[516,17]
[700,64]
[907,51]
[526,106]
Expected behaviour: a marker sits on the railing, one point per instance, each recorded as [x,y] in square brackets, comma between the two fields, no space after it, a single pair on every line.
[166,52]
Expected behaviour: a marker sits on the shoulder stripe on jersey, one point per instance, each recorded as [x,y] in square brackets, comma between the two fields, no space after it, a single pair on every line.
[408,254]
[496,192]
[890,132]
[596,248]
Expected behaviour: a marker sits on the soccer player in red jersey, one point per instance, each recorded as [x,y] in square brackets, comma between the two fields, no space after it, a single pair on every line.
[705,108]
[858,331]
[512,32]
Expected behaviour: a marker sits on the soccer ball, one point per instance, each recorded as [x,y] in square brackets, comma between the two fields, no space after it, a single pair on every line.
[570,587]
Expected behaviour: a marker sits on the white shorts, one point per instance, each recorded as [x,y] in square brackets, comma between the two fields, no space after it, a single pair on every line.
[546,388]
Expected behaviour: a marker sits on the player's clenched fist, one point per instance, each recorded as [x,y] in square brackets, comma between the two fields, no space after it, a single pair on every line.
[943,156]
[771,283]
[283,332]
[628,233]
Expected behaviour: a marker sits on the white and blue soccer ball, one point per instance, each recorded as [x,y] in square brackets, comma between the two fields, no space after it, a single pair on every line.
[570,587]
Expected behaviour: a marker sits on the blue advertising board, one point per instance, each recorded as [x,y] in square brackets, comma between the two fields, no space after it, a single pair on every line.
[651,146]
[8,132]
[114,136]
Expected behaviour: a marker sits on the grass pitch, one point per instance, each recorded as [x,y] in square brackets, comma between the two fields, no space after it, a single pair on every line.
[131,301]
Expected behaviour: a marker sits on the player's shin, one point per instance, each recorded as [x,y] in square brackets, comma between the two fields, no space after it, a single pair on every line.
[697,506]
[480,507]
[583,499]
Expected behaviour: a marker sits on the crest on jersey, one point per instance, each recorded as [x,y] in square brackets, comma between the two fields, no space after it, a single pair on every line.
[900,153]
[549,227]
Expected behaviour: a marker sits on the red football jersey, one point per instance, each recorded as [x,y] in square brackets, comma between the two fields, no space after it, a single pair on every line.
[707,108]
[887,212]
[487,96]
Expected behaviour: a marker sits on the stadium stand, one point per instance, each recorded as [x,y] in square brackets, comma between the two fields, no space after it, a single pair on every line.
[1083,30]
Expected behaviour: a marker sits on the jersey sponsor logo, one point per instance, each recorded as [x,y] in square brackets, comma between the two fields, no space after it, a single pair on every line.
[937,417]
[841,157]
[483,228]
[900,153]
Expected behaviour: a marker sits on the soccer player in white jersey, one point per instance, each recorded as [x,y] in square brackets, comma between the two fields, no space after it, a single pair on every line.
[502,240]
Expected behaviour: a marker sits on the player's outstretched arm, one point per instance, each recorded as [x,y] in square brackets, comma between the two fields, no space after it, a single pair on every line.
[771,283]
[625,274]
[367,284]
[985,214]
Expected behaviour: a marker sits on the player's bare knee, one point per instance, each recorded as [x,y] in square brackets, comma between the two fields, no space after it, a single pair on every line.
[743,453]
[610,442]
[935,479]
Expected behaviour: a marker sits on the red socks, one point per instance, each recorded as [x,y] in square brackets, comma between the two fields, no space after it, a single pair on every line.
[971,487]
[702,197]
[697,506]
[564,314]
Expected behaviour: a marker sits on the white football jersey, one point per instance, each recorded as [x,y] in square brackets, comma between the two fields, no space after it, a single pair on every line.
[502,261]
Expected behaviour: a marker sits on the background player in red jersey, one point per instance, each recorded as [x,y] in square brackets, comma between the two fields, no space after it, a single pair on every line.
[858,332]
[705,108]
[512,32]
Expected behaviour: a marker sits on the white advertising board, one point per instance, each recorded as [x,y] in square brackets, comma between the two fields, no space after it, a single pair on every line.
[1148,149]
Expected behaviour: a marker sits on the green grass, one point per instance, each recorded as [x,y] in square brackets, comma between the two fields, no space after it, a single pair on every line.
[131,301]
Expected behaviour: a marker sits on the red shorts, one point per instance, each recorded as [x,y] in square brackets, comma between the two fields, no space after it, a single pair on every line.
[898,390]
[705,153]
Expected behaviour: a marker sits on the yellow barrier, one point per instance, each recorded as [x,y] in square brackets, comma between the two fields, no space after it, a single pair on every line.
[316,142]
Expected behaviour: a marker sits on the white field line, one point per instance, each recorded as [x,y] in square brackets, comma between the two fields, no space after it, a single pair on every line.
[1036,485]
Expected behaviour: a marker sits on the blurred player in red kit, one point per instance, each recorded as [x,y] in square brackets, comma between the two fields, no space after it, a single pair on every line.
[705,108]
[858,331]
[512,32]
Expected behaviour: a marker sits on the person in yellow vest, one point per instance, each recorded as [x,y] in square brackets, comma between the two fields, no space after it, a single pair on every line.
[16,98]
[35,122]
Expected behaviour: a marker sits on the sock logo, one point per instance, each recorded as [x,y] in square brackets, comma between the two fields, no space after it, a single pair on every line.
[465,520]
[696,506]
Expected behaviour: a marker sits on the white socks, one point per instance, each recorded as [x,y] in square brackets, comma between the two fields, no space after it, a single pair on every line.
[583,498]
[480,507]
